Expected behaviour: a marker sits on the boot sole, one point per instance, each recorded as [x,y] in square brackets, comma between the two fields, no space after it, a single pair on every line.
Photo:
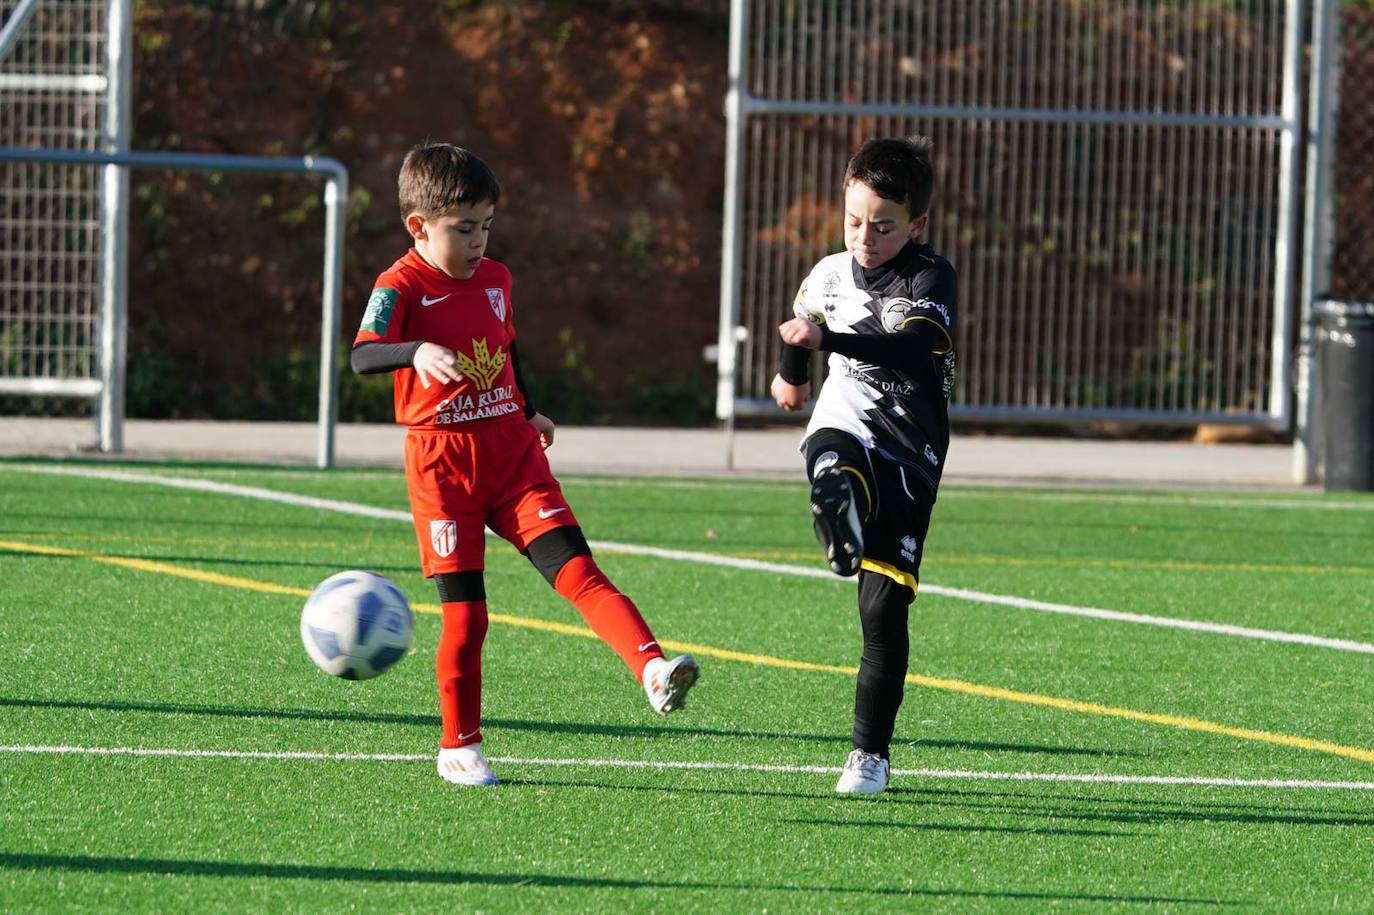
[831,504]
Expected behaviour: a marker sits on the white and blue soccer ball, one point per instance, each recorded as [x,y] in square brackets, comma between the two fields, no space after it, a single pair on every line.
[355,625]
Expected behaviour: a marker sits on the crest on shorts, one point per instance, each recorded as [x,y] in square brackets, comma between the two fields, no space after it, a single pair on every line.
[443,535]
[497,298]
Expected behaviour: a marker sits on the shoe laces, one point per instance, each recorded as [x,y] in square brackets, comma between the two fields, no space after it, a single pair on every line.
[868,764]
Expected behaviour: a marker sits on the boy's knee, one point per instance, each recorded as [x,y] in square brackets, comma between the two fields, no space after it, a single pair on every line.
[460,586]
[883,600]
[832,448]
[550,552]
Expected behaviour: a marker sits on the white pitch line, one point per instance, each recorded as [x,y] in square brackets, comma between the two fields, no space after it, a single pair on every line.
[1166,499]
[663,765]
[223,489]
[731,562]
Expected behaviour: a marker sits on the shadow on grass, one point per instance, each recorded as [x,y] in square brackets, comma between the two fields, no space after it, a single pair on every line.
[1149,812]
[513,724]
[427,721]
[161,867]
[1156,813]
[1339,797]
[965,828]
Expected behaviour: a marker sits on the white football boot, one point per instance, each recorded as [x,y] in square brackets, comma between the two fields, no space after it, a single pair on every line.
[466,766]
[666,682]
[864,773]
[836,521]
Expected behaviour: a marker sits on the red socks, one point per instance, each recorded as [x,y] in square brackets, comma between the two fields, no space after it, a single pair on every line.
[612,615]
[458,662]
[458,666]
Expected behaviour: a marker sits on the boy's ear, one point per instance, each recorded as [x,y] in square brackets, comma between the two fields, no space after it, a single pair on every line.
[415,225]
[918,226]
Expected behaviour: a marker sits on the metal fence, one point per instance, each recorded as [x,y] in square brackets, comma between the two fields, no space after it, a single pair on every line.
[64,84]
[53,94]
[1114,185]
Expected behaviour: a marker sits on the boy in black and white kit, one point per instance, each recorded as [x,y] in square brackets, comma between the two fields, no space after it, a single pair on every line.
[877,440]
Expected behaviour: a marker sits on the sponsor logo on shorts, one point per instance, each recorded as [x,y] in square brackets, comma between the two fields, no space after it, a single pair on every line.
[443,536]
[547,513]
[909,548]
[932,456]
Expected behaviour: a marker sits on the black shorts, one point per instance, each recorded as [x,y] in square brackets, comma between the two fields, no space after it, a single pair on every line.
[897,523]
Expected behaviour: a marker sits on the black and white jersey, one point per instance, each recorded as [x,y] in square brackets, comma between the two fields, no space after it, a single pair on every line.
[899,409]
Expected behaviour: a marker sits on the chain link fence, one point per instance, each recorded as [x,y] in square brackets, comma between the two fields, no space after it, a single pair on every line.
[1114,187]
[52,95]
[1351,270]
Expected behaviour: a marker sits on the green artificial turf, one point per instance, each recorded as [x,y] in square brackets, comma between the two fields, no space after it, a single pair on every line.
[102,655]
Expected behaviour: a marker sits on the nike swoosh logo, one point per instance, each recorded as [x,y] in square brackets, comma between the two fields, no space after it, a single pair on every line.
[427,301]
[467,735]
[546,513]
[646,646]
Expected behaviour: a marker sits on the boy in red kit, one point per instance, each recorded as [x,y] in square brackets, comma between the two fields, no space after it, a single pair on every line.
[441,319]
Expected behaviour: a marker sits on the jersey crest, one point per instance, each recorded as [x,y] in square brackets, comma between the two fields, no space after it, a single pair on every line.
[497,298]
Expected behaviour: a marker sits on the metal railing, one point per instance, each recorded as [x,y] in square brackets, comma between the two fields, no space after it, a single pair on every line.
[114,317]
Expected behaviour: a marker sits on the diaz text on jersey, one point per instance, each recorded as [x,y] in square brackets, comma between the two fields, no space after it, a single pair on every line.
[901,413]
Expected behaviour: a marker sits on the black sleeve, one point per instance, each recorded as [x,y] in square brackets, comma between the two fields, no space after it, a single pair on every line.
[374,357]
[520,381]
[893,351]
[796,364]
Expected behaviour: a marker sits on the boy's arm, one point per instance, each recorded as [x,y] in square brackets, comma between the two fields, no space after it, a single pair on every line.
[794,367]
[530,411]
[376,347]
[372,358]
[918,323]
[893,351]
[430,360]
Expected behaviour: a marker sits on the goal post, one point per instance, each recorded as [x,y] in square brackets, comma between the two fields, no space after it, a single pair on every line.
[65,73]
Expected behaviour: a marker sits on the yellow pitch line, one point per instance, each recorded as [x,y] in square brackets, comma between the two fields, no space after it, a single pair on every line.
[725,654]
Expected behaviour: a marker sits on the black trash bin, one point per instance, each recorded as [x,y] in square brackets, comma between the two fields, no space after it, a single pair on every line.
[1345,361]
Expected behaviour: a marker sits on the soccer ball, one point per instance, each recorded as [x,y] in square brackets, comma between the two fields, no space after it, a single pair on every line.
[356,625]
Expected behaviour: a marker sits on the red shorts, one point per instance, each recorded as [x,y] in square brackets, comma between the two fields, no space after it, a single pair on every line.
[462,482]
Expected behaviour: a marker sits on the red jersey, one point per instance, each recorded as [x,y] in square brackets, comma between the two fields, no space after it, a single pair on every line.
[415,301]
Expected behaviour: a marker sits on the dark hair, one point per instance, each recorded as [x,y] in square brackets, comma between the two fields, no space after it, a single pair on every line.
[896,168]
[437,177]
